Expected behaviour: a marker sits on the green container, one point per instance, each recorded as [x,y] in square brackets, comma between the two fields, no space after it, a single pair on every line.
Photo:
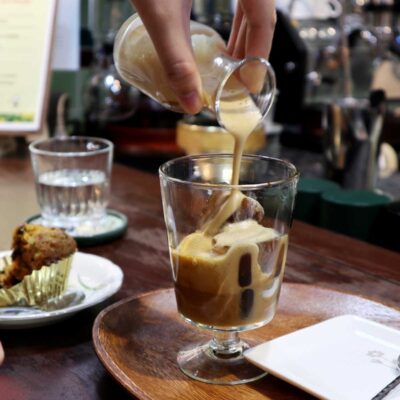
[308,199]
[354,213]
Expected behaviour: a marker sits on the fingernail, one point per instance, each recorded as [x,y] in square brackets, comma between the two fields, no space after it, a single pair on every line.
[191,102]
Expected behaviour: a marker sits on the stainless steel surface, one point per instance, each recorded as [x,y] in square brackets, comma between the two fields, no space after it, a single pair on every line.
[353,131]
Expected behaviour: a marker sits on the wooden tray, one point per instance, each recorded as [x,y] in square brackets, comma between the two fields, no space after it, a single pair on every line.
[137,340]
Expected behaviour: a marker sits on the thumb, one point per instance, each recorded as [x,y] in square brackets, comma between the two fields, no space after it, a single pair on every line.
[169,29]
[184,79]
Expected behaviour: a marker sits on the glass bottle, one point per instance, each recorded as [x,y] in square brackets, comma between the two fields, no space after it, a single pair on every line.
[229,86]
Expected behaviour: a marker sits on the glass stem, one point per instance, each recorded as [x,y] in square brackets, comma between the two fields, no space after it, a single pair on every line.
[227,345]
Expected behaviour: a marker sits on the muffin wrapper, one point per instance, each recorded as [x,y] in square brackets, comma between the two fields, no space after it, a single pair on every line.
[36,289]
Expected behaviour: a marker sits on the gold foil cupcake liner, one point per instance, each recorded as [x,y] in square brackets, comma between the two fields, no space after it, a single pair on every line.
[46,284]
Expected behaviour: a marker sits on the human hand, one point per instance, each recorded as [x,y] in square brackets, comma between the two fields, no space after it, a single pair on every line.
[168,24]
[252,29]
[251,36]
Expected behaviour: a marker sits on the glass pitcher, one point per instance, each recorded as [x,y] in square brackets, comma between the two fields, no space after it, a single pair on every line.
[231,88]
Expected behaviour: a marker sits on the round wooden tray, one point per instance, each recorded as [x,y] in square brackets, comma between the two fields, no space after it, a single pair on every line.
[137,340]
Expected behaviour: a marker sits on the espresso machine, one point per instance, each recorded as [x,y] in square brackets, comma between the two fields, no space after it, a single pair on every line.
[358,122]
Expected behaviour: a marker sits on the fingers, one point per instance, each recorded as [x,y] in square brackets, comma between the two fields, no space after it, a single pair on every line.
[237,20]
[1,354]
[251,36]
[168,24]
[240,45]
[253,29]
[261,20]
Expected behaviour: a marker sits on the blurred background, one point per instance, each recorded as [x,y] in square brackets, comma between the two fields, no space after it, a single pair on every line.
[336,115]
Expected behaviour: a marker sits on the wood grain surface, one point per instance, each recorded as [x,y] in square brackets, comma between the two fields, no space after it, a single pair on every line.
[59,362]
[138,339]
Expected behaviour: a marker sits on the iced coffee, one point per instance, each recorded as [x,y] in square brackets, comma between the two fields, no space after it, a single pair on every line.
[228,273]
[232,278]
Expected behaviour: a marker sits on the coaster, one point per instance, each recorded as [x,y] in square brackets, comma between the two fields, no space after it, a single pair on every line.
[112,227]
[342,358]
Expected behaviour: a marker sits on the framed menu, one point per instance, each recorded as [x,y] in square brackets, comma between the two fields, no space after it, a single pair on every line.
[26,36]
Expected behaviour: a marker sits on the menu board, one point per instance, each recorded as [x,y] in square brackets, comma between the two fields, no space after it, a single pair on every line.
[26,34]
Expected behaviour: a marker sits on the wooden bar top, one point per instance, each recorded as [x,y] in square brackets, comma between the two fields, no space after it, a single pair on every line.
[58,361]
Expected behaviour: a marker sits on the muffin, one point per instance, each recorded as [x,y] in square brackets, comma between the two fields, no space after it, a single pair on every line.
[39,265]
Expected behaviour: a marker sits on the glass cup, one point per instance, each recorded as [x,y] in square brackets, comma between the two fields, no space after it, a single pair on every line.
[229,86]
[72,177]
[228,248]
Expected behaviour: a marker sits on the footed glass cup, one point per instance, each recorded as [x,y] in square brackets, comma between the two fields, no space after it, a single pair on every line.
[228,248]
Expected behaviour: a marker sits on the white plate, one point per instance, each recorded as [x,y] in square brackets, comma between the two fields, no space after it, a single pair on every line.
[97,277]
[343,358]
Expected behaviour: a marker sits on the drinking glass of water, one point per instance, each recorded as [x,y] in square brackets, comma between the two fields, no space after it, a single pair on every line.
[72,177]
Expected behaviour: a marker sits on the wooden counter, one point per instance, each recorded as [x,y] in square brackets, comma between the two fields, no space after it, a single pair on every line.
[58,361]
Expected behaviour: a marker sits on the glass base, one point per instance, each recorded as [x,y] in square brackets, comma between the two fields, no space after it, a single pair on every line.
[219,362]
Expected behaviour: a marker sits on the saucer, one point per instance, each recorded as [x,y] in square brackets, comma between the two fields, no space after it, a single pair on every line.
[112,227]
[92,280]
[342,358]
